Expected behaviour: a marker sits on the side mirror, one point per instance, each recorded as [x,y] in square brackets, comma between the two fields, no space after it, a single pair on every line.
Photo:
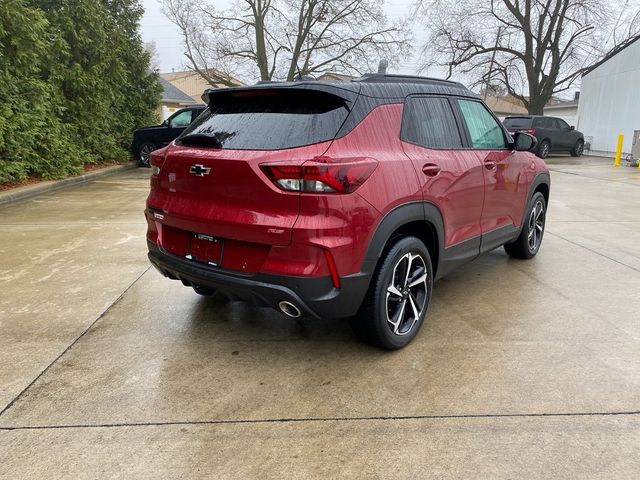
[572,127]
[165,123]
[525,142]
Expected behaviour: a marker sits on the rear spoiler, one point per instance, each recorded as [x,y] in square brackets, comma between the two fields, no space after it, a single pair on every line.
[348,92]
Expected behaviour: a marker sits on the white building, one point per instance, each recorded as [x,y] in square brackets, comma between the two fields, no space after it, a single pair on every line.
[566,110]
[610,100]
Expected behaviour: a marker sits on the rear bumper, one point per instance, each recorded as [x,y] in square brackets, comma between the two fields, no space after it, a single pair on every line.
[314,296]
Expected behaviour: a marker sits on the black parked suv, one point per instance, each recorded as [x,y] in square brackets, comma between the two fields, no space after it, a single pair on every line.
[553,134]
[148,139]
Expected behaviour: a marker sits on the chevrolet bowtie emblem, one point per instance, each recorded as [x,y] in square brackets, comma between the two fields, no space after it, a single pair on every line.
[199,170]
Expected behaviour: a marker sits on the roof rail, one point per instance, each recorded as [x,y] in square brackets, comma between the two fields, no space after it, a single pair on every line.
[390,78]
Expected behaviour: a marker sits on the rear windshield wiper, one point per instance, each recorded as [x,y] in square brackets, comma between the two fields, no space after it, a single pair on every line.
[200,139]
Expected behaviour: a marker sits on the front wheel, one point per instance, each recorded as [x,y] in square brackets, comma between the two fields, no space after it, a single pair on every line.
[528,243]
[396,303]
[578,148]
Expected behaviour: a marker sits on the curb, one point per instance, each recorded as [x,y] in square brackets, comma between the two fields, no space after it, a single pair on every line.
[23,193]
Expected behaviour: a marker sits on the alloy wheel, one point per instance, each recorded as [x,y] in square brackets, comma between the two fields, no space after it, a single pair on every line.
[145,152]
[536,226]
[544,150]
[406,296]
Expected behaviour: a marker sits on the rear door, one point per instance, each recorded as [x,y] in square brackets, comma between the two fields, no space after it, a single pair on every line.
[504,171]
[451,178]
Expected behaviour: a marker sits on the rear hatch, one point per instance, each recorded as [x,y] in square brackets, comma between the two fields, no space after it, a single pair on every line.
[211,183]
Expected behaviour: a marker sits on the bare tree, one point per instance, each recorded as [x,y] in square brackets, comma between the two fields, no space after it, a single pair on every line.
[154,58]
[280,39]
[535,49]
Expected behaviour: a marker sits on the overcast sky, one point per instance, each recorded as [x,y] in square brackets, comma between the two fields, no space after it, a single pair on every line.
[157,28]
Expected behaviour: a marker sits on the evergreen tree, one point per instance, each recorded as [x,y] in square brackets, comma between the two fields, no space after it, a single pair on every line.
[77,83]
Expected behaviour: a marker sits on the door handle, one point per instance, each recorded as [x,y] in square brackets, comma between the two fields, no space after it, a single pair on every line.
[430,169]
[489,164]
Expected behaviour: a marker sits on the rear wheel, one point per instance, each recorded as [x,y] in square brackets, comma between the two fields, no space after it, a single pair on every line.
[544,148]
[143,154]
[528,243]
[578,148]
[396,303]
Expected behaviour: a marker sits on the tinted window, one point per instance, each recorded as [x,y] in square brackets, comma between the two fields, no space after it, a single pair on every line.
[181,119]
[518,122]
[430,122]
[562,123]
[485,131]
[267,120]
[538,123]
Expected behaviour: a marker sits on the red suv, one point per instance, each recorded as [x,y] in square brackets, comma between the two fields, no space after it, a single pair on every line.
[343,199]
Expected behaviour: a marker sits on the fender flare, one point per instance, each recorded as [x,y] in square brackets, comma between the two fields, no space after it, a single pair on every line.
[395,219]
[543,178]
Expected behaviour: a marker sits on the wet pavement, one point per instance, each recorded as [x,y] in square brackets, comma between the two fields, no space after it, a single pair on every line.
[524,369]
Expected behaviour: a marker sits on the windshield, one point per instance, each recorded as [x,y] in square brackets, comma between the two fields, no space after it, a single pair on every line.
[267,120]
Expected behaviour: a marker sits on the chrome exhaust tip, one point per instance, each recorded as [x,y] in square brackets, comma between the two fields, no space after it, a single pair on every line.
[289,309]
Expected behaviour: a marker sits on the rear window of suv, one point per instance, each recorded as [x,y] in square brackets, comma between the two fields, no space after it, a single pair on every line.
[517,122]
[267,120]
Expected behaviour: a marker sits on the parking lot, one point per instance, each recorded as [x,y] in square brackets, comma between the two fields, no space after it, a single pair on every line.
[524,369]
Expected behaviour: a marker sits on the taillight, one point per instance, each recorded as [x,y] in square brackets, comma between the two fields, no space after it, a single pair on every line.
[321,175]
[530,131]
[156,160]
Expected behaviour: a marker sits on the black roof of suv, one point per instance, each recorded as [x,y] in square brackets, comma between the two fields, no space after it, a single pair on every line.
[374,85]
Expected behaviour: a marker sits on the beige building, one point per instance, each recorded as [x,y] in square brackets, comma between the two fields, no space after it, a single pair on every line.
[192,83]
[505,106]
[335,77]
[172,100]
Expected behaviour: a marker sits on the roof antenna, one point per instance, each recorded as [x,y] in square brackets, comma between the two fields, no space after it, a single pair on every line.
[382,66]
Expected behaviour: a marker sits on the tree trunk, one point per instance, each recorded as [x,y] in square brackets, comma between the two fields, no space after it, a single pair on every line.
[261,50]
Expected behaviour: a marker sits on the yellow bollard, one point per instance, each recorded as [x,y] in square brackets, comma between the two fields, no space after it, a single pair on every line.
[619,150]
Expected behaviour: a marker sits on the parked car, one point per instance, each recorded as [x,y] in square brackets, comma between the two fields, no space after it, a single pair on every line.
[148,139]
[553,134]
[345,199]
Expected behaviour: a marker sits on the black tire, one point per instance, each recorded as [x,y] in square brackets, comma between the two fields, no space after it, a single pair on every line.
[578,148]
[528,244]
[544,148]
[372,323]
[142,153]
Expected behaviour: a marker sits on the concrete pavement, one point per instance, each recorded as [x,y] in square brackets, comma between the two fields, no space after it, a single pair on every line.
[523,369]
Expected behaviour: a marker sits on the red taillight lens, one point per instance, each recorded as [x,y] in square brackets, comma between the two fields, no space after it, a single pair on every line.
[530,131]
[321,175]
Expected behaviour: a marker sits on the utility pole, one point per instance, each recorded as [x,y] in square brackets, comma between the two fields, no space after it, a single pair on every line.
[493,59]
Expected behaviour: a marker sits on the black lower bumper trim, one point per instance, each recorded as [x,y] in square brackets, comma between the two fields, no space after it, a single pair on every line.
[316,297]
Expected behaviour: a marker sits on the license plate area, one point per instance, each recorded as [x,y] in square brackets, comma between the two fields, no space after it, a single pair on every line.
[205,248]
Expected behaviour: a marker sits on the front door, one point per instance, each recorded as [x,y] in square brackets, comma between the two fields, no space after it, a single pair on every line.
[175,126]
[504,170]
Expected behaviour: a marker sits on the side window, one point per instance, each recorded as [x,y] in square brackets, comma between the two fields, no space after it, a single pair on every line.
[182,119]
[562,123]
[485,131]
[538,123]
[550,123]
[429,122]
